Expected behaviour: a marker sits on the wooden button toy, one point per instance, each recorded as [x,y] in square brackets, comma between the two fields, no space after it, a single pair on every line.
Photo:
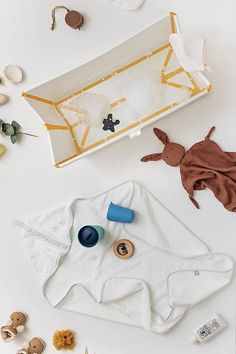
[123,249]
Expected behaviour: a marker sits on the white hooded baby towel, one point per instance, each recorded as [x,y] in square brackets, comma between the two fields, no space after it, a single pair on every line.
[170,271]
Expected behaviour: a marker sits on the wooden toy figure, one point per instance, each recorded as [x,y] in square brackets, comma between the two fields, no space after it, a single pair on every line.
[204,165]
[15,326]
[35,346]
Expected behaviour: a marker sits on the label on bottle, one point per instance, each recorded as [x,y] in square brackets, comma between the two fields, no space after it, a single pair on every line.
[208,328]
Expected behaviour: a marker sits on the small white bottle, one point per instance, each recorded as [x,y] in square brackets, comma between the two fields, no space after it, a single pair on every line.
[207,330]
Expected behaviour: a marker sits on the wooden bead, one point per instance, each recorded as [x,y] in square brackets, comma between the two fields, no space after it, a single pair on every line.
[74,19]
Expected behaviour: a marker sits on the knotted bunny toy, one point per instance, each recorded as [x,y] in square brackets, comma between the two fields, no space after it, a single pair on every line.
[35,346]
[16,325]
[204,165]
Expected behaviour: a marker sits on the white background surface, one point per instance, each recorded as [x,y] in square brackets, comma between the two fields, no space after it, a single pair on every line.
[29,183]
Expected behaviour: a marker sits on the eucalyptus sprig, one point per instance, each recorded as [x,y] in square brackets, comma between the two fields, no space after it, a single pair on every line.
[12,130]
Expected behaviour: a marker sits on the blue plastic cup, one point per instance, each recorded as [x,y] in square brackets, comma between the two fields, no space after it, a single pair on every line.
[119,213]
[90,235]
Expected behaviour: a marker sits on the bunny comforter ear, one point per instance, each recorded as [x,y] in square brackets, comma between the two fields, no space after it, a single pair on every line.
[152,157]
[163,137]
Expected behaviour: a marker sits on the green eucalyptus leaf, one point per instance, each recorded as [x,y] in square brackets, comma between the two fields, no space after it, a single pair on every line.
[15,125]
[14,138]
[1,123]
[8,129]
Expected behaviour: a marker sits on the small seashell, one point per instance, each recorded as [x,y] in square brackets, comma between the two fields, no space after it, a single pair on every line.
[3,99]
[13,74]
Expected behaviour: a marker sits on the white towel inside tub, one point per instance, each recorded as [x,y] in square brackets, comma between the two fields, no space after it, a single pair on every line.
[170,271]
[91,108]
[190,51]
[143,91]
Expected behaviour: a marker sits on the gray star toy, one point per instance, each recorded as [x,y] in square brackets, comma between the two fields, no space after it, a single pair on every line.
[109,124]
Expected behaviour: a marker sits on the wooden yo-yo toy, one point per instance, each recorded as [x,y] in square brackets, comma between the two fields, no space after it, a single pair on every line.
[73,18]
[123,249]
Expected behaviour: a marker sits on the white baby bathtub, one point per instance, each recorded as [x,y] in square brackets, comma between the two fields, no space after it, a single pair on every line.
[148,51]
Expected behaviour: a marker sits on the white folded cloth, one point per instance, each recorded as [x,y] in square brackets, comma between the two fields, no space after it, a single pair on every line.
[128,4]
[190,51]
[170,271]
